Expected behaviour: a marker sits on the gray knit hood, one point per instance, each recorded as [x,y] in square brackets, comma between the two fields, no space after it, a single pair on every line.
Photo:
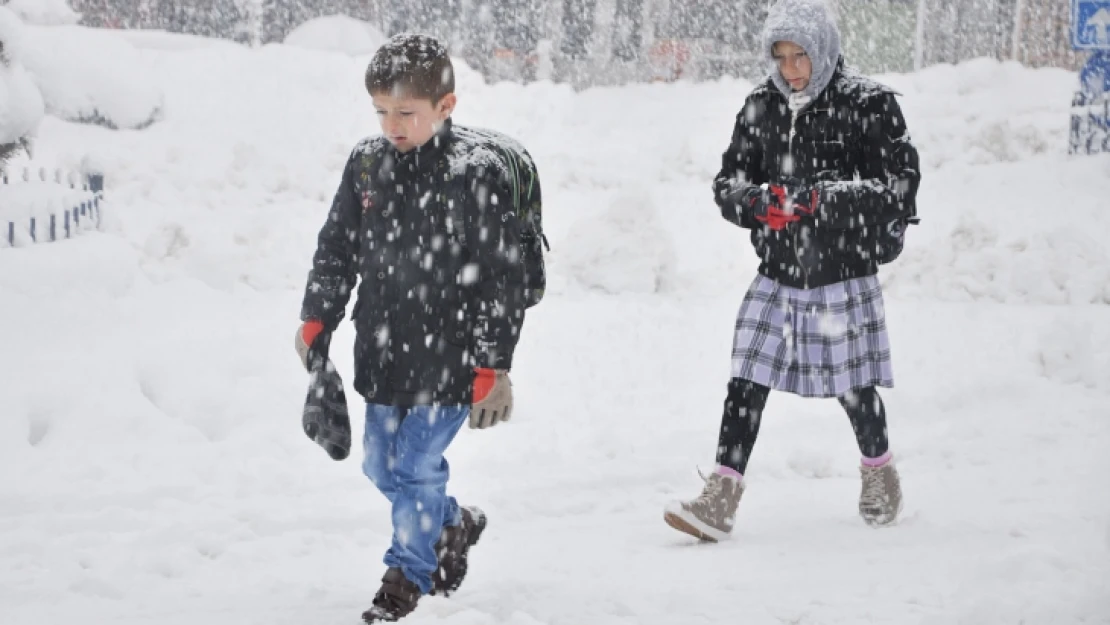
[811,25]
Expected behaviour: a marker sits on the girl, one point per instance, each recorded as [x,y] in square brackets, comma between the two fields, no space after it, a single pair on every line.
[822,171]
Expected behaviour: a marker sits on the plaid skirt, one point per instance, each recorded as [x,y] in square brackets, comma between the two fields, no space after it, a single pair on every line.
[819,342]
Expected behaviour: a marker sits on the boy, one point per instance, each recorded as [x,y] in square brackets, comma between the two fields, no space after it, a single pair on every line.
[822,171]
[426,221]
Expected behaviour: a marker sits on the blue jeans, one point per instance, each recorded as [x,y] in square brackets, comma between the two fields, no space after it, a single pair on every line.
[404,459]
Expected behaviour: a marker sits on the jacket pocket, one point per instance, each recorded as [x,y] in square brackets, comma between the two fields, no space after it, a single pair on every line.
[455,327]
[850,247]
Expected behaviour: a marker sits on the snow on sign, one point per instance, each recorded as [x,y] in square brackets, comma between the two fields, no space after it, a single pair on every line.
[1090,22]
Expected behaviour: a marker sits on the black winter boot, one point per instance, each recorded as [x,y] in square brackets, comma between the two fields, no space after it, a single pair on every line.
[453,550]
[396,598]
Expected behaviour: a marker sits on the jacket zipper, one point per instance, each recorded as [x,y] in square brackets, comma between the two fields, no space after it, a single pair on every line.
[790,151]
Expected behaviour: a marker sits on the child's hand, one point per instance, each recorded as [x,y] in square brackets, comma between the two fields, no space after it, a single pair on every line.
[804,202]
[493,398]
[308,334]
[768,207]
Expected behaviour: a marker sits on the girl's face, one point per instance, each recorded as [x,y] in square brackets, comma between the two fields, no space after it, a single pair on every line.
[794,64]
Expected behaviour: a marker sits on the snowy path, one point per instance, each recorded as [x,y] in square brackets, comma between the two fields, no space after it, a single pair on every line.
[233,517]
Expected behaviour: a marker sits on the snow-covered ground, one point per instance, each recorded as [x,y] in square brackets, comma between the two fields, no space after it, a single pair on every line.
[153,469]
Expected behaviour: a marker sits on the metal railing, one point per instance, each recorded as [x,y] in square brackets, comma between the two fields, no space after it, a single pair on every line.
[46,218]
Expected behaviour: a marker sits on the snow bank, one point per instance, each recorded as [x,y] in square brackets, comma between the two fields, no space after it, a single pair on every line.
[974,262]
[992,138]
[337,33]
[43,12]
[92,76]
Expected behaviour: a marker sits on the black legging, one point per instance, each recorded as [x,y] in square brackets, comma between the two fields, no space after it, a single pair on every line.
[744,409]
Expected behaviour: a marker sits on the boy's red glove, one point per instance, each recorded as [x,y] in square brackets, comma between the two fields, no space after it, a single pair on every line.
[493,398]
[306,336]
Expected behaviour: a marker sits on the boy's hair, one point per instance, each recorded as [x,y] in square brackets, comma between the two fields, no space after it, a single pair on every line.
[416,66]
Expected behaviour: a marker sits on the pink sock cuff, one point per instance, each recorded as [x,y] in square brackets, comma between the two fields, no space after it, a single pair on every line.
[877,462]
[727,472]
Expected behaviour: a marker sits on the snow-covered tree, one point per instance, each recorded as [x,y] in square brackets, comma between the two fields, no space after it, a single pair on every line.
[21,103]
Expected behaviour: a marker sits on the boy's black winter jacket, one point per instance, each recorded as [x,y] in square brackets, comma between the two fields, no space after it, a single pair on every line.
[432,239]
[851,145]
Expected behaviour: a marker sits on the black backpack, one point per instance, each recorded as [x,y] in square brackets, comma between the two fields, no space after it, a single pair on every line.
[890,239]
[529,212]
[527,203]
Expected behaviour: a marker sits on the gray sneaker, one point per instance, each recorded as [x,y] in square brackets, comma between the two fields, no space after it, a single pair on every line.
[880,497]
[709,517]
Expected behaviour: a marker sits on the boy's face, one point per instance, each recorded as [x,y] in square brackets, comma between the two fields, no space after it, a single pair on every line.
[794,64]
[410,122]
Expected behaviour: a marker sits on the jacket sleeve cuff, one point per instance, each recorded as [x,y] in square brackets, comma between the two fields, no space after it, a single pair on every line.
[330,320]
[493,356]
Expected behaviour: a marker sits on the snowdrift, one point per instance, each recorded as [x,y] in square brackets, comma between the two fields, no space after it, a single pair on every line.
[337,33]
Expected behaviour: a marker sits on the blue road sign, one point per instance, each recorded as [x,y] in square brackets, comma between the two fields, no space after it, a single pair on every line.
[1090,108]
[1094,78]
[1090,24]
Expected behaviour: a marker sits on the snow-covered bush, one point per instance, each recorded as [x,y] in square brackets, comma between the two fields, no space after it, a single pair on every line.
[91,76]
[21,104]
